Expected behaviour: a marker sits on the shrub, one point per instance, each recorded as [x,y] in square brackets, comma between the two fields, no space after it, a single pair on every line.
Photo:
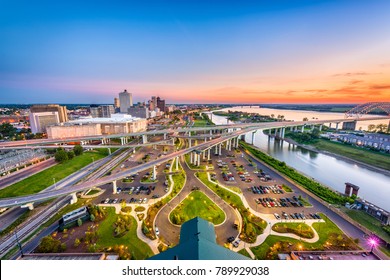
[78,150]
[61,156]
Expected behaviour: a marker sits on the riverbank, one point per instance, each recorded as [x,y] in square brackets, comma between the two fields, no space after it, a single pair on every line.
[338,156]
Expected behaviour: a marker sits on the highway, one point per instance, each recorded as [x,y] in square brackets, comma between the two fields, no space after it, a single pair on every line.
[21,200]
[87,146]
[203,146]
[46,212]
[182,130]
[24,173]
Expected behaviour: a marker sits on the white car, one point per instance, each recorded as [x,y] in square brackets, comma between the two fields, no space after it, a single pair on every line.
[277,216]
[157,231]
[236,243]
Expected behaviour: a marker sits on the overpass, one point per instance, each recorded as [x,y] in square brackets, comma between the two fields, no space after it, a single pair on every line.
[89,146]
[124,137]
[231,139]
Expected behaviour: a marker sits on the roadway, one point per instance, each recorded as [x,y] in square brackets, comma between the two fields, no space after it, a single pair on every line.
[184,130]
[171,232]
[24,173]
[203,146]
[331,212]
[87,146]
[100,166]
[21,200]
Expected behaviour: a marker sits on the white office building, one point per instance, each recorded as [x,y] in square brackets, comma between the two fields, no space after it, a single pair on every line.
[125,101]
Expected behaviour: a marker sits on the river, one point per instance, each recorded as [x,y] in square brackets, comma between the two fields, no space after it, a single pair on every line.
[326,169]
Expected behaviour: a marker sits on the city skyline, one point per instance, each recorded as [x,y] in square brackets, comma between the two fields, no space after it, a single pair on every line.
[196,52]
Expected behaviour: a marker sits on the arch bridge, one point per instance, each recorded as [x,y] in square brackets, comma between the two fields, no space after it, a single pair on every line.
[365,108]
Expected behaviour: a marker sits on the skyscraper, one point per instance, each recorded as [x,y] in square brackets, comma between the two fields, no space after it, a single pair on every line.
[154,103]
[161,104]
[125,100]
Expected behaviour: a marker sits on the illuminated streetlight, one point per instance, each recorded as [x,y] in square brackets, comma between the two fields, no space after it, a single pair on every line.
[373,242]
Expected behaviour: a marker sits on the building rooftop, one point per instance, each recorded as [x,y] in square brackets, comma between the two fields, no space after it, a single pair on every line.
[115,118]
[198,242]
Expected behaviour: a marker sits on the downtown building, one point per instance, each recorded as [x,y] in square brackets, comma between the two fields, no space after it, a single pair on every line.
[41,116]
[101,111]
[116,124]
[125,101]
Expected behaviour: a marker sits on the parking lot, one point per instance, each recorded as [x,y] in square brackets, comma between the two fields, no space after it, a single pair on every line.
[130,189]
[262,188]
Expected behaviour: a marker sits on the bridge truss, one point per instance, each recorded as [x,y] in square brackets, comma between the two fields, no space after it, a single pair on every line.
[365,108]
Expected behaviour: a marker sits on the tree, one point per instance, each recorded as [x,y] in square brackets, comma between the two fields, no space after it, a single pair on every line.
[315,133]
[92,218]
[78,150]
[7,130]
[70,154]
[371,127]
[79,222]
[77,242]
[61,156]
[50,245]
[305,119]
[381,127]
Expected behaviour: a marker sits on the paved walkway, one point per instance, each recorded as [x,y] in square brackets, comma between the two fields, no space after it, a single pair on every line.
[270,220]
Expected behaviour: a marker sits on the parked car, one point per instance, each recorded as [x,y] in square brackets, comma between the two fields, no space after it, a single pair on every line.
[236,243]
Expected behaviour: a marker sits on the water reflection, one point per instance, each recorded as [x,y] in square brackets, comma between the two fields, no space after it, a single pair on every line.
[330,171]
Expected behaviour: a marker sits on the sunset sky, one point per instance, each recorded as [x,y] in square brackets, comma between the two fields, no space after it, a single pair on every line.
[264,51]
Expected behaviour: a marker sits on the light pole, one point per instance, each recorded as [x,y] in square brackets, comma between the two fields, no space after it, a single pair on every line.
[19,245]
[373,243]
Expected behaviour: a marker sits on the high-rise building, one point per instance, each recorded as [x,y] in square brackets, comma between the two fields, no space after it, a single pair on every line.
[95,111]
[48,114]
[102,111]
[161,104]
[154,102]
[107,111]
[116,102]
[125,100]
[139,112]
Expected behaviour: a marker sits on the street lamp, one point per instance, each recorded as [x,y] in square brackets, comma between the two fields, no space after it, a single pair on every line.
[19,245]
[373,242]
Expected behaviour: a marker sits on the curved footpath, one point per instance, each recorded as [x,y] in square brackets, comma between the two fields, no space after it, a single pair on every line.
[171,233]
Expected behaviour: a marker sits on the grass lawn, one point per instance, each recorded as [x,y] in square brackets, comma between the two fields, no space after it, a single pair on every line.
[305,201]
[192,166]
[178,183]
[360,154]
[44,179]
[201,122]
[137,248]
[286,188]
[300,229]
[330,238]
[252,225]
[93,191]
[369,222]
[194,205]
[245,253]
